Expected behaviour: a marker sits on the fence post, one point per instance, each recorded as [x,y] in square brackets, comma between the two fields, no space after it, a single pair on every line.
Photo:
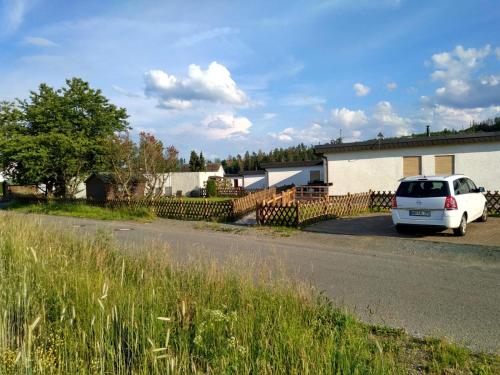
[297,214]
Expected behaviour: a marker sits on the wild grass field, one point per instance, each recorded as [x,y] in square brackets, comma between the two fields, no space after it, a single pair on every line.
[71,305]
[83,210]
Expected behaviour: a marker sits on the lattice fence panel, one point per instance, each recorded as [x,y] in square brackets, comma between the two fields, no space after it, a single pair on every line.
[381,199]
[493,199]
[277,214]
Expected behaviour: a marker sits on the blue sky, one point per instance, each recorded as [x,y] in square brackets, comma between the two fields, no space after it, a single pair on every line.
[227,76]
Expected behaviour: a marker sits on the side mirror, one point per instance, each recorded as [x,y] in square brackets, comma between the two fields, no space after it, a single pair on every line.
[481,190]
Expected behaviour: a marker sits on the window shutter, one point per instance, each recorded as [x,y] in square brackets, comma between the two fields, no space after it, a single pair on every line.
[444,164]
[412,166]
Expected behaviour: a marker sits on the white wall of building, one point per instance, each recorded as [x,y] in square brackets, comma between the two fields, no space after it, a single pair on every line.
[291,175]
[359,171]
[187,182]
[254,181]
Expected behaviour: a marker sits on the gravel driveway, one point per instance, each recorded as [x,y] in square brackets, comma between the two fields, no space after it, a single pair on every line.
[428,288]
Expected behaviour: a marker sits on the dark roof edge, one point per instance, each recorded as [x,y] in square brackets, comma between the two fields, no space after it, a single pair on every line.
[408,142]
[292,164]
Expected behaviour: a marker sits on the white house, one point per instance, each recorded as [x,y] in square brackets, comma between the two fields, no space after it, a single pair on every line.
[254,179]
[379,164]
[188,183]
[295,172]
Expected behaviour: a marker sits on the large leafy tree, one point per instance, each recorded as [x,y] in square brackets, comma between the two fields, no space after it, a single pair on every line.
[58,136]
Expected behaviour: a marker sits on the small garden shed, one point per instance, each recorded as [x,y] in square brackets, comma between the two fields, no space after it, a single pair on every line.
[102,186]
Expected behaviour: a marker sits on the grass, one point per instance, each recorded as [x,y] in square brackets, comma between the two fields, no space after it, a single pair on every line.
[83,210]
[71,305]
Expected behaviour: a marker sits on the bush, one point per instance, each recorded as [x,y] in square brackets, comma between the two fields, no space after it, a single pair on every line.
[211,188]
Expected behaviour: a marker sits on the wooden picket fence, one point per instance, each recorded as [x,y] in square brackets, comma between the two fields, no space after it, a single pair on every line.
[493,199]
[248,203]
[298,213]
[173,208]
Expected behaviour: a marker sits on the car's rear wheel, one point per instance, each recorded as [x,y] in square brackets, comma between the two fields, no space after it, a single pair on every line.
[484,217]
[462,228]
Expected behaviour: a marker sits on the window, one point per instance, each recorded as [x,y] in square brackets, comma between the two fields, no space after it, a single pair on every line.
[444,164]
[314,176]
[472,185]
[423,189]
[412,166]
[461,186]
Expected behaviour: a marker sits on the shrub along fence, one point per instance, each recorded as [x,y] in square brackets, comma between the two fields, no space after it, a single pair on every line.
[202,209]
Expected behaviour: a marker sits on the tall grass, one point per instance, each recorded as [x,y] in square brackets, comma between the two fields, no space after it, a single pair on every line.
[84,210]
[71,306]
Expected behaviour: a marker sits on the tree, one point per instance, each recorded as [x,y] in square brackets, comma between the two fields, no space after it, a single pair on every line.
[122,160]
[155,162]
[57,137]
[194,161]
[202,166]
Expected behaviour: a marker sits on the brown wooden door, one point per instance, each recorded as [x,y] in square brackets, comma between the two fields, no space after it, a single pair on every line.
[412,166]
[444,164]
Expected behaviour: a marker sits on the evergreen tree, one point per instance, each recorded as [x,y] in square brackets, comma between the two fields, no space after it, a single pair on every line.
[201,163]
[194,161]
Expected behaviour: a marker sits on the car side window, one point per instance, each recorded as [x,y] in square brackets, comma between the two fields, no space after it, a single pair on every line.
[462,188]
[472,185]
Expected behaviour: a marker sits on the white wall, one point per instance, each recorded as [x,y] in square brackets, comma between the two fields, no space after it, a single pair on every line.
[187,182]
[354,172]
[254,181]
[295,175]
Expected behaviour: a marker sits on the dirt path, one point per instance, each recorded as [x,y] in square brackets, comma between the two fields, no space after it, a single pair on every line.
[428,288]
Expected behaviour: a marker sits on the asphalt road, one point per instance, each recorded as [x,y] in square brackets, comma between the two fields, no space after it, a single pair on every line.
[428,288]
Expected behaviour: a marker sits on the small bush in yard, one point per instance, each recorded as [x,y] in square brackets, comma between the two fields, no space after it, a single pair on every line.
[211,188]
[71,306]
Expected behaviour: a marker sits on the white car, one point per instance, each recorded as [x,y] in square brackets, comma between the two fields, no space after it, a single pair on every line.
[439,202]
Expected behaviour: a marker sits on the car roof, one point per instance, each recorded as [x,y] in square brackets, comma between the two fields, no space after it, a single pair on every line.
[449,177]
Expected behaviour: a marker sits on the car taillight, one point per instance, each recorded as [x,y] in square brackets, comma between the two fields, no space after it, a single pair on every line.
[394,202]
[450,203]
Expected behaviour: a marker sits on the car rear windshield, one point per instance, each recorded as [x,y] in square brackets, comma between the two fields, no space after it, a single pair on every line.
[423,189]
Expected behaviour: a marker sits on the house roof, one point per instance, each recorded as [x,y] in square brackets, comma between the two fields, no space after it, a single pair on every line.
[109,178]
[407,142]
[254,173]
[214,167]
[292,164]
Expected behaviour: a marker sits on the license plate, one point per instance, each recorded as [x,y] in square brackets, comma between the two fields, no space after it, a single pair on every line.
[426,213]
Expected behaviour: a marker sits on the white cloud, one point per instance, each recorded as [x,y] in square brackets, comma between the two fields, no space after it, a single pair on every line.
[311,134]
[39,42]
[460,86]
[225,126]
[360,89]
[385,116]
[213,85]
[443,117]
[346,118]
[304,101]
[268,116]
[205,35]
[13,12]
[391,86]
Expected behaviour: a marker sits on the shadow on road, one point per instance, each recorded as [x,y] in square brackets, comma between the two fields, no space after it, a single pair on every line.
[381,225]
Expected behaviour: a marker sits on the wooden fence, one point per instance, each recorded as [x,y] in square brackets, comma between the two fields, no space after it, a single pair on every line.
[311,192]
[248,203]
[173,208]
[234,192]
[297,213]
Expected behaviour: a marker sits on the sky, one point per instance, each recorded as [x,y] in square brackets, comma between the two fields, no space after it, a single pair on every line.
[224,77]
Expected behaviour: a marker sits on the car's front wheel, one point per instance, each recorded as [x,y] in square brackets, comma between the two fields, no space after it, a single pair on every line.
[484,217]
[462,228]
